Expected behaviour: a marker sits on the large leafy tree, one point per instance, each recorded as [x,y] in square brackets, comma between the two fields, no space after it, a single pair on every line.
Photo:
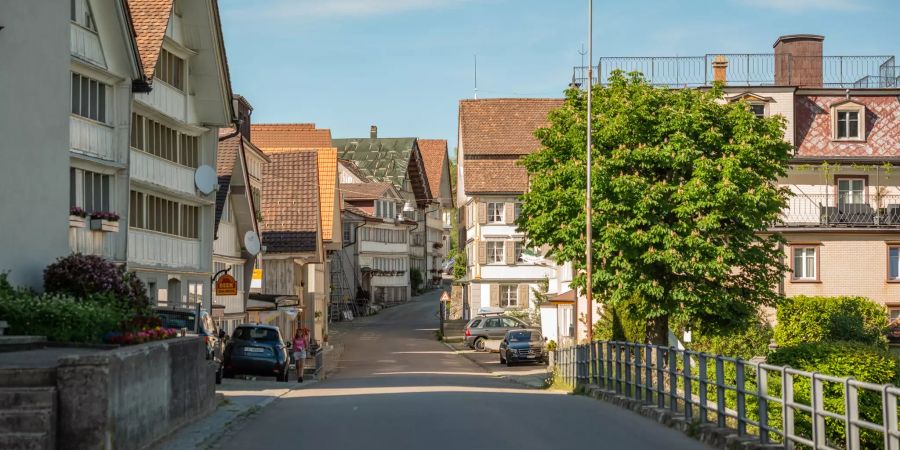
[684,191]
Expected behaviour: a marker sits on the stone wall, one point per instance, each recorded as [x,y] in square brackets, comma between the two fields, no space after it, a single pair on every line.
[133,396]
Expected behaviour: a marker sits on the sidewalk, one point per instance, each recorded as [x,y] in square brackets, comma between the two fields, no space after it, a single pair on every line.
[530,375]
[239,399]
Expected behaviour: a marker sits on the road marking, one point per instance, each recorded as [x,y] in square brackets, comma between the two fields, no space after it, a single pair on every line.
[388,361]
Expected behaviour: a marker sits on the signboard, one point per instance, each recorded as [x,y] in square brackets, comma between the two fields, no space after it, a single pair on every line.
[445,297]
[226,285]
[256,281]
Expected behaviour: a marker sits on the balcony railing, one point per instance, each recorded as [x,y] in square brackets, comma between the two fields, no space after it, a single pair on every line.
[824,210]
[752,69]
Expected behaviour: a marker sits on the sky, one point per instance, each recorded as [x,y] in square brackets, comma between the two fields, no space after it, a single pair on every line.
[403,65]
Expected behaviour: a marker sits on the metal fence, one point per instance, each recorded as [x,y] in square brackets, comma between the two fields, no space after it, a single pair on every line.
[816,210]
[751,69]
[774,404]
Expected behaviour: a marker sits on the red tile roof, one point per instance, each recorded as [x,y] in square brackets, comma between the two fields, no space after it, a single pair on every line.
[364,191]
[150,19]
[503,126]
[279,136]
[483,176]
[290,202]
[434,156]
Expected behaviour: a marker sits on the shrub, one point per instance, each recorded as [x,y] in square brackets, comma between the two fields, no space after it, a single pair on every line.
[620,323]
[61,318]
[804,319]
[82,276]
[415,279]
[751,339]
[842,359]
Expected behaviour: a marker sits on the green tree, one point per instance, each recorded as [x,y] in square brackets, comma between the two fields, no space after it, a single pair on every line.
[682,186]
[459,264]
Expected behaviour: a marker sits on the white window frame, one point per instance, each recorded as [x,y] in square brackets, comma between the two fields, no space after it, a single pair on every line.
[806,254]
[856,196]
[494,251]
[96,106]
[78,179]
[757,104]
[509,296]
[893,262]
[495,212]
[837,126]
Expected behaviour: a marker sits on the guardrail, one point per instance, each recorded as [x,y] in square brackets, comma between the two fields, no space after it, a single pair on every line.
[829,210]
[774,404]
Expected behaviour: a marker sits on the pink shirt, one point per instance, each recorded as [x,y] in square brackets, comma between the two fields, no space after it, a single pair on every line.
[299,343]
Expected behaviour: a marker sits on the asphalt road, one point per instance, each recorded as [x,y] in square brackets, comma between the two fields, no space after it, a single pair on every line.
[397,387]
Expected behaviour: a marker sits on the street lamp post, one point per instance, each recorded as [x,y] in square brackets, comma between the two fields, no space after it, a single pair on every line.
[588,209]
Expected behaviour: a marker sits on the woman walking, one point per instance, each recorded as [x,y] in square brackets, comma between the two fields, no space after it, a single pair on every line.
[301,343]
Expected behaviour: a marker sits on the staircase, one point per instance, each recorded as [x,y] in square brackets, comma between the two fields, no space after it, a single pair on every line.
[28,418]
[341,299]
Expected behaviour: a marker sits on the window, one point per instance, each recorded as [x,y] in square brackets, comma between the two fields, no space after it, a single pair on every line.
[348,232]
[494,251]
[805,266]
[517,210]
[195,295]
[509,296]
[495,212]
[159,140]
[758,109]
[493,322]
[848,125]
[158,214]
[89,98]
[170,69]
[894,313]
[89,190]
[520,247]
[80,13]
[851,191]
[894,263]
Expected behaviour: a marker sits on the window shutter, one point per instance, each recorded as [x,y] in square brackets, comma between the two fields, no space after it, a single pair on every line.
[510,252]
[523,296]
[475,299]
[482,252]
[509,210]
[482,212]
[495,295]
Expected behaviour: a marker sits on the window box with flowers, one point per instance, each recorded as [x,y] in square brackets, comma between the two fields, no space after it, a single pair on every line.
[438,245]
[77,217]
[105,221]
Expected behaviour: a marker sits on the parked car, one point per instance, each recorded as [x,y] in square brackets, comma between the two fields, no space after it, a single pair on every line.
[179,318]
[523,346]
[257,350]
[484,327]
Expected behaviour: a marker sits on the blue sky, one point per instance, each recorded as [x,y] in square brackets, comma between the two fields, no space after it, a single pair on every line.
[405,64]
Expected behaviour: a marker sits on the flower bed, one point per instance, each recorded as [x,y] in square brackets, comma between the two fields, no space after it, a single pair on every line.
[139,337]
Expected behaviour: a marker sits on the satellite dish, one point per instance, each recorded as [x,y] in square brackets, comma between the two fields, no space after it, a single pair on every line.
[205,179]
[251,243]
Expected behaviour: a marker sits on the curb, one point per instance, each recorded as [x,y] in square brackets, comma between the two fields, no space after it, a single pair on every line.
[488,369]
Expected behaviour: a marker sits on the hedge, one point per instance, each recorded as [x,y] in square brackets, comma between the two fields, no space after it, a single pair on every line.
[804,319]
[620,323]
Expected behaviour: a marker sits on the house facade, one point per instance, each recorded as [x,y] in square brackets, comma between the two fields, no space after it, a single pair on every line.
[437,216]
[173,141]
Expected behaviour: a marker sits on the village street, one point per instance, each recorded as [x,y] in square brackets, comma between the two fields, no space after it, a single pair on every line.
[398,387]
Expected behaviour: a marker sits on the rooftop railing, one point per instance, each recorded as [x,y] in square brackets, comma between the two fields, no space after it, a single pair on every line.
[827,210]
[749,69]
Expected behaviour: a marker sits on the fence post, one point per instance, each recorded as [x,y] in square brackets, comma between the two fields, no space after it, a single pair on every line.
[660,379]
[703,385]
[851,410]
[688,399]
[762,391]
[638,359]
[818,405]
[891,441]
[593,364]
[618,368]
[648,373]
[720,391]
[787,405]
[740,388]
[673,380]
[627,369]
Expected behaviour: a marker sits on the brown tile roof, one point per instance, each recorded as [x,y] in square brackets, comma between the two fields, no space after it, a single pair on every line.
[327,165]
[354,169]
[280,136]
[434,154]
[502,126]
[494,176]
[150,19]
[358,211]
[364,191]
[226,156]
[290,203]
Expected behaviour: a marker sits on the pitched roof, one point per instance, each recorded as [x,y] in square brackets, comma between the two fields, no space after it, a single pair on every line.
[494,176]
[226,156]
[280,136]
[327,166]
[354,169]
[381,159]
[290,202]
[358,211]
[434,153]
[364,191]
[150,19]
[502,125]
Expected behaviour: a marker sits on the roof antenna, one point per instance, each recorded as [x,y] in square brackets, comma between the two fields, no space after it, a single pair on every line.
[582,52]
[476,76]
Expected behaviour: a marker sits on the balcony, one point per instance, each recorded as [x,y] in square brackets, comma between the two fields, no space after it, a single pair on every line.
[749,69]
[151,169]
[823,210]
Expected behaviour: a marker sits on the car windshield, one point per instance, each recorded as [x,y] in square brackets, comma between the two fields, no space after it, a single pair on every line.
[523,336]
[177,320]
[255,334]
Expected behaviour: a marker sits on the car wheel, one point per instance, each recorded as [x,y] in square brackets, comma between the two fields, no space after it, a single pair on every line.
[479,344]
[509,363]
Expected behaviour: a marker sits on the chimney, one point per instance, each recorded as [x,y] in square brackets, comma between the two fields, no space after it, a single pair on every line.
[373,132]
[798,60]
[720,69]
[244,110]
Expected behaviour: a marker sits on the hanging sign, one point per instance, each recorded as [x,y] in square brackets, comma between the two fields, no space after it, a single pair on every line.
[226,285]
[256,281]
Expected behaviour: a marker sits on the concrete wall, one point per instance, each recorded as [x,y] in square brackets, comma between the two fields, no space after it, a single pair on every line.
[131,397]
[34,123]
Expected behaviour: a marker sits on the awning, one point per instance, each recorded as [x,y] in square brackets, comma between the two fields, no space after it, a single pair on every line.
[565,297]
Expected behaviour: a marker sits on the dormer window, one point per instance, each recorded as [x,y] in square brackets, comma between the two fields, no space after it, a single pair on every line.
[385,209]
[758,109]
[757,104]
[170,68]
[81,14]
[848,121]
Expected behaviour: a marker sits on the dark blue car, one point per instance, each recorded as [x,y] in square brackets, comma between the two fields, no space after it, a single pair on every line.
[256,350]
[523,346]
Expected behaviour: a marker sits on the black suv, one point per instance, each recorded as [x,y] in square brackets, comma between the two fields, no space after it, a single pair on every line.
[179,318]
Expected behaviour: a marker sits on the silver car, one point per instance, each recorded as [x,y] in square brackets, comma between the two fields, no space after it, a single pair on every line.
[484,327]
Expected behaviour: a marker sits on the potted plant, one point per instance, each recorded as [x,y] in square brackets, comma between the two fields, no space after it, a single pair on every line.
[893,332]
[77,217]
[105,221]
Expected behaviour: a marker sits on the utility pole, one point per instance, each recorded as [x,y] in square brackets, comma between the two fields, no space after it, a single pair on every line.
[589,210]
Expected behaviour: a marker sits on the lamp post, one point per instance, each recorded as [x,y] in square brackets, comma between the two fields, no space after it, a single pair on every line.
[588,209]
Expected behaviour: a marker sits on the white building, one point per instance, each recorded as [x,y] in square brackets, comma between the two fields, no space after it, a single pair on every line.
[437,217]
